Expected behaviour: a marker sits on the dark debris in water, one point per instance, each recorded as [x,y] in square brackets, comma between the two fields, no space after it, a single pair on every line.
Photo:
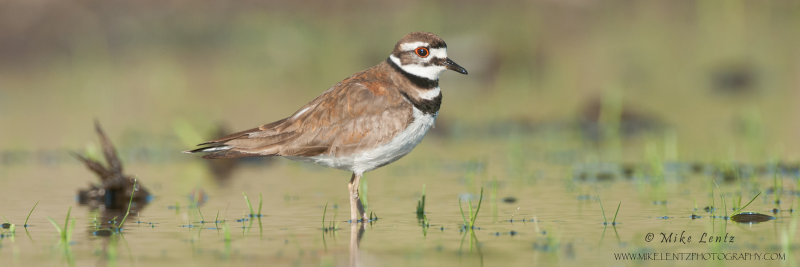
[464,228]
[597,172]
[511,233]
[154,223]
[605,176]
[628,170]
[545,245]
[115,188]
[751,217]
[632,121]
[509,200]
[736,77]
[728,173]
[116,192]
[697,167]
[103,232]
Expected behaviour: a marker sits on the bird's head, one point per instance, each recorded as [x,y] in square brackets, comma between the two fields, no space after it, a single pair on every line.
[423,54]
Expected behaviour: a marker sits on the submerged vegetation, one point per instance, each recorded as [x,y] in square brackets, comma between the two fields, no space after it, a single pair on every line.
[331,224]
[252,213]
[603,211]
[65,233]
[421,205]
[469,218]
[29,214]
[127,211]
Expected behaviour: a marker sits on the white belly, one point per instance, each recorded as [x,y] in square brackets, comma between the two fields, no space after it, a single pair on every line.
[384,154]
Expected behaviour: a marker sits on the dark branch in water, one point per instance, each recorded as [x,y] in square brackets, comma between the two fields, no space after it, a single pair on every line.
[116,189]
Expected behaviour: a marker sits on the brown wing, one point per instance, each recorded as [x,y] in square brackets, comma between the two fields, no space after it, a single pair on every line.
[353,115]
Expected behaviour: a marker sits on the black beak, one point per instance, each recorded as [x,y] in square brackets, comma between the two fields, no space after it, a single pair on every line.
[451,65]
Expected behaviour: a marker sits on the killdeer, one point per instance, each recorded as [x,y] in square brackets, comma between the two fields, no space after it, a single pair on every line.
[366,121]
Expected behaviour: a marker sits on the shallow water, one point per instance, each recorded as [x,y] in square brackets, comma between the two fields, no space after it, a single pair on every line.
[556,218]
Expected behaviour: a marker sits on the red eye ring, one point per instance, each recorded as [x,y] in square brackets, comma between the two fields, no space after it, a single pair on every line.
[422,52]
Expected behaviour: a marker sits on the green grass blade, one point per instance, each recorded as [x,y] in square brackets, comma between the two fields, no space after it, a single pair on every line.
[55,224]
[748,204]
[713,203]
[363,188]
[469,204]
[227,232]
[602,210]
[461,207]
[248,204]
[66,224]
[739,201]
[69,231]
[778,188]
[62,231]
[421,205]
[478,209]
[333,223]
[130,202]
[202,218]
[724,204]
[260,204]
[324,211]
[614,221]
[29,214]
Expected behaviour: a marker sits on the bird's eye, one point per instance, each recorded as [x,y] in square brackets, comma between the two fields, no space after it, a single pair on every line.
[421,52]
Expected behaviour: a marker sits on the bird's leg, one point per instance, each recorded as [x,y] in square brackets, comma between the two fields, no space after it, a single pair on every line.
[356,209]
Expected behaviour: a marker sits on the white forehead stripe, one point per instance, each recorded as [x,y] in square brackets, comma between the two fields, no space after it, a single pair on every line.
[439,52]
[430,72]
[411,46]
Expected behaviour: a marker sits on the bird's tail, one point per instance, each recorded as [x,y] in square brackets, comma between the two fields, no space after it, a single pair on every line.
[222,151]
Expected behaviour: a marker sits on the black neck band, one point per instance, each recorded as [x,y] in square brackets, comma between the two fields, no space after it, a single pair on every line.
[420,82]
[427,106]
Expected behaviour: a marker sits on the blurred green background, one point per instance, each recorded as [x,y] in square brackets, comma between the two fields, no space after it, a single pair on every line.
[721,77]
